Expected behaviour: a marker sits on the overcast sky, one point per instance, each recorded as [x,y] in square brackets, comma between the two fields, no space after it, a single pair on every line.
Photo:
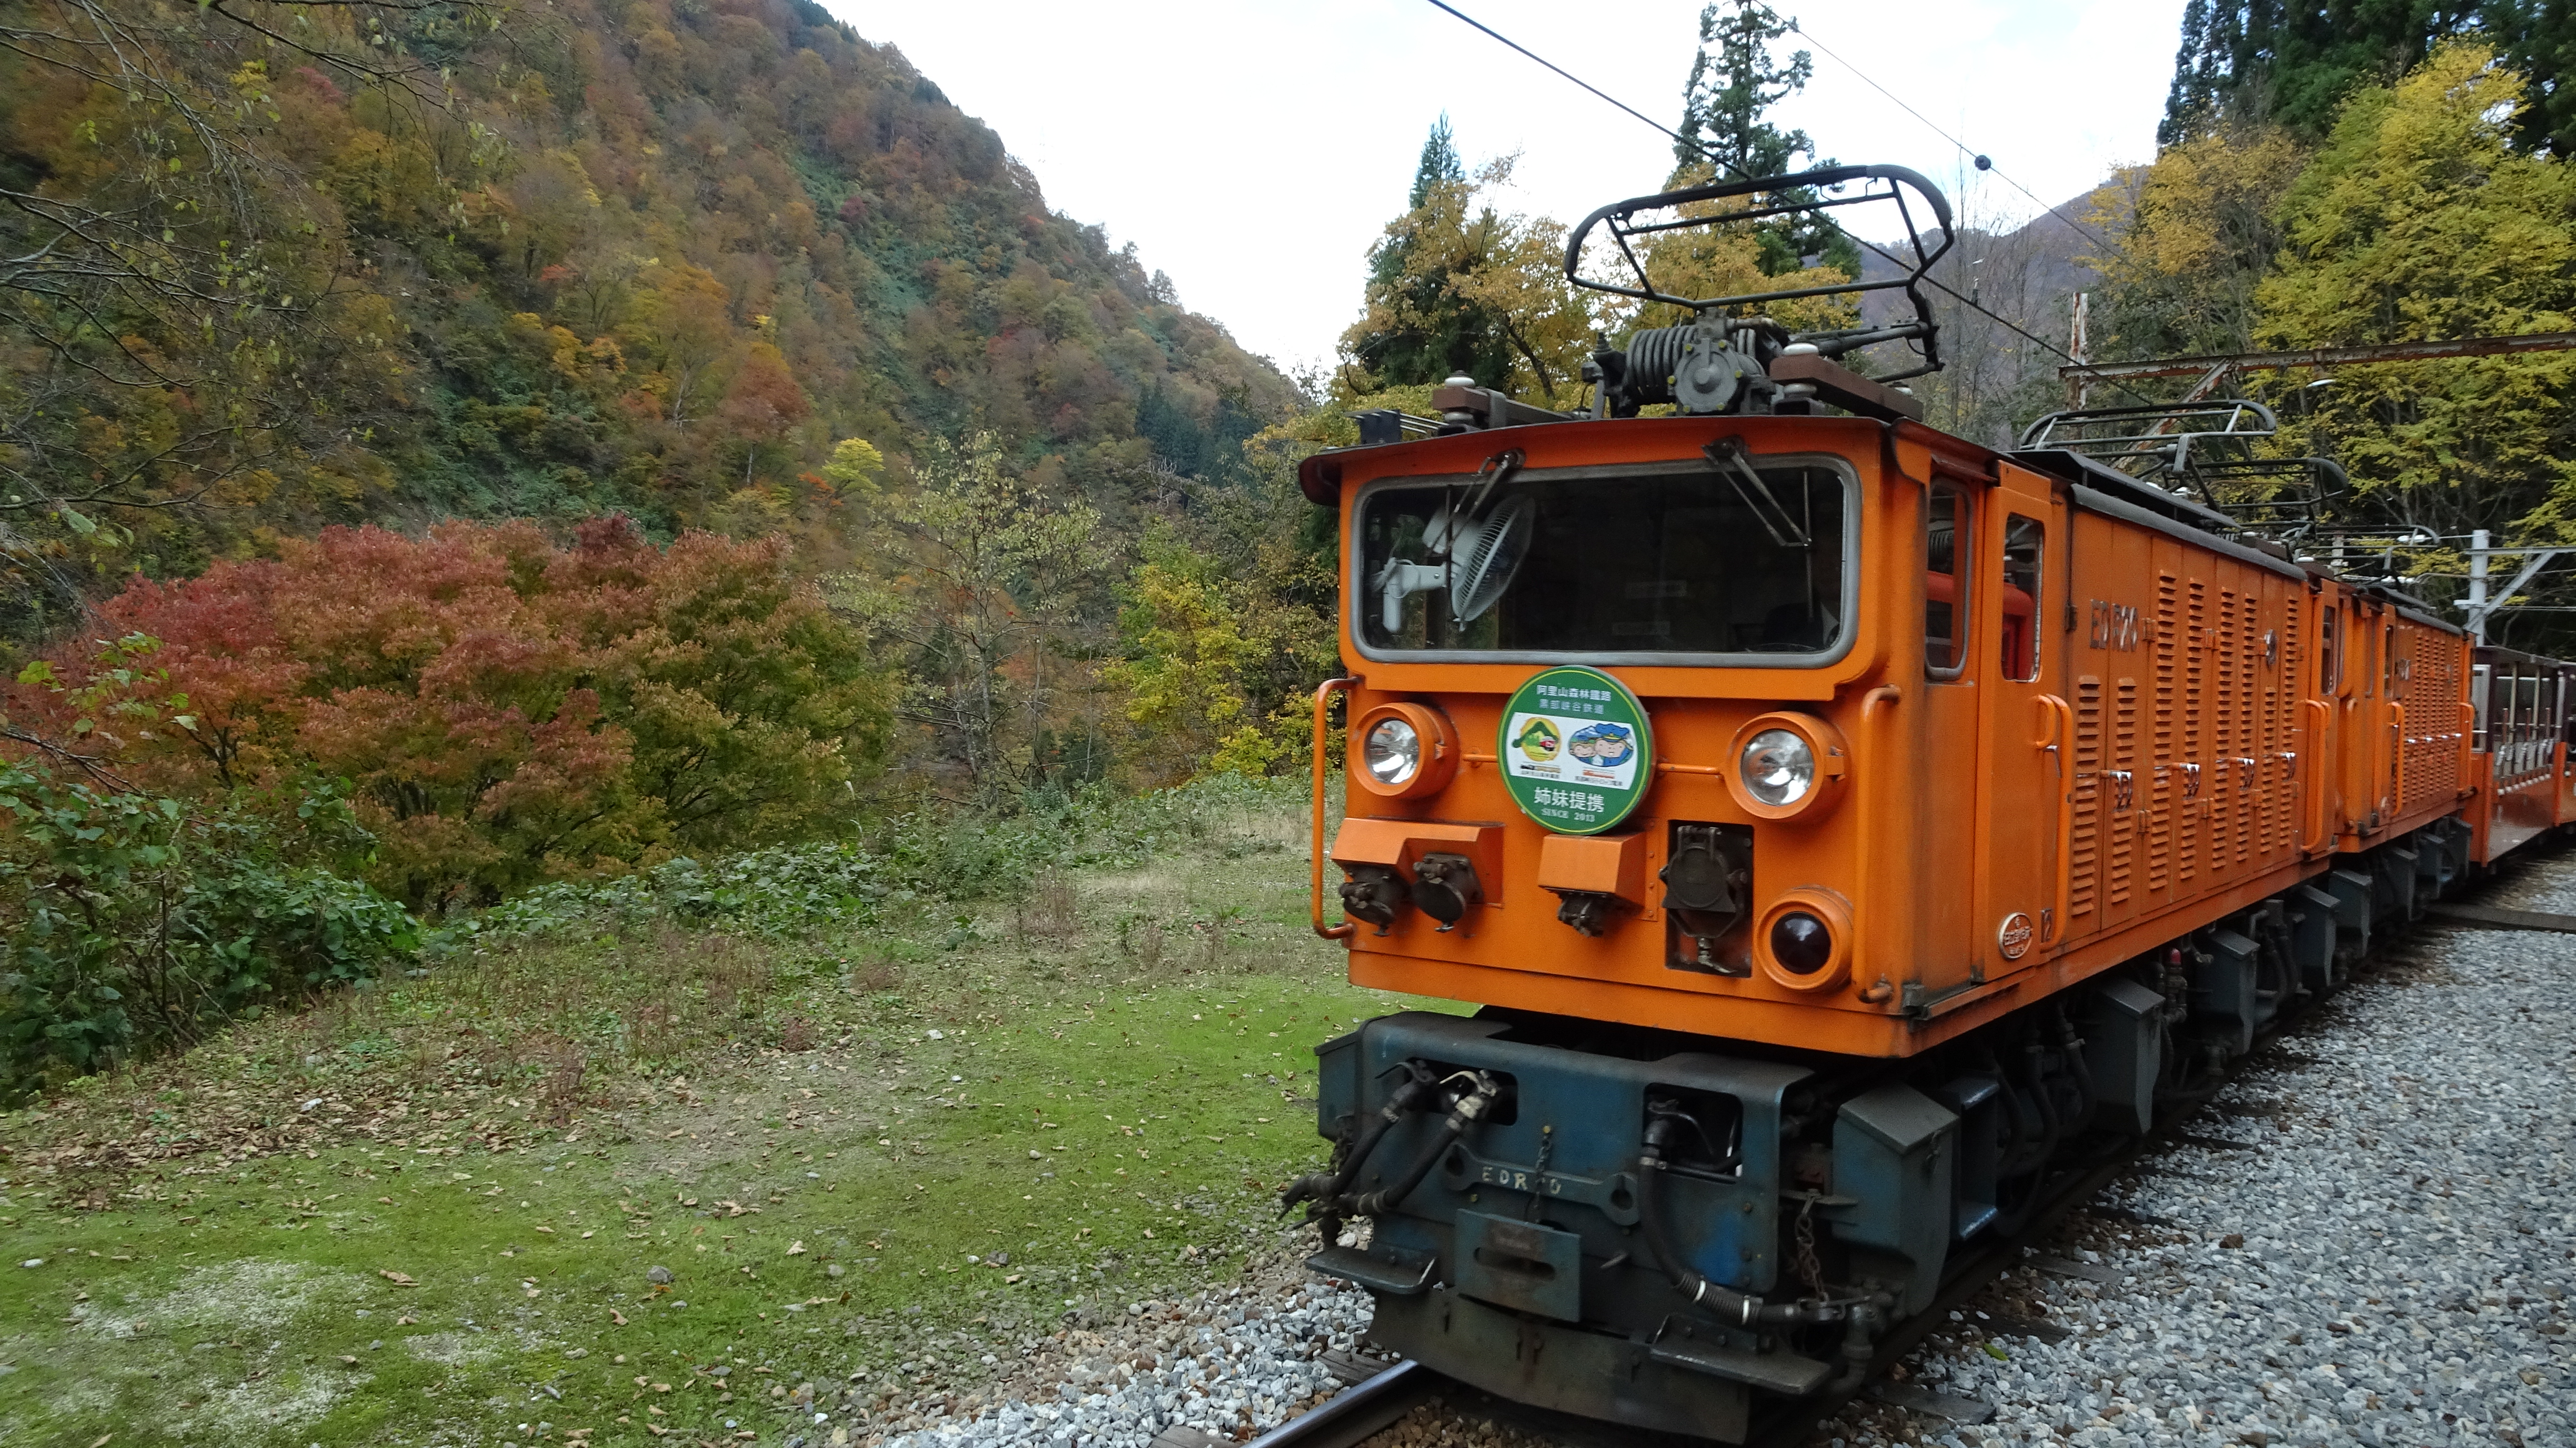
[1253,149]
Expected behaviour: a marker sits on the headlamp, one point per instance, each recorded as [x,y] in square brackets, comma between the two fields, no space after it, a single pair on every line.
[1392,753]
[1402,750]
[1788,765]
[1778,767]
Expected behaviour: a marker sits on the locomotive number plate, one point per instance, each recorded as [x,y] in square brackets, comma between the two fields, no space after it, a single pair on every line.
[2012,938]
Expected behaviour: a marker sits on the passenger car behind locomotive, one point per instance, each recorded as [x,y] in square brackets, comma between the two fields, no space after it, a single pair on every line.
[1844,828]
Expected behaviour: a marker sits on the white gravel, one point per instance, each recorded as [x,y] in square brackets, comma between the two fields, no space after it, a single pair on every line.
[2392,1267]
[1218,1363]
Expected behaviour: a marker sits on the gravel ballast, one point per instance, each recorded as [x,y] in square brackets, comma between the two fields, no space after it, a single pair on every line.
[1219,1363]
[2391,1264]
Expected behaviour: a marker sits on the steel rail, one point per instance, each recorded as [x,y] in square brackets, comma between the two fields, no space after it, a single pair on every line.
[1359,1412]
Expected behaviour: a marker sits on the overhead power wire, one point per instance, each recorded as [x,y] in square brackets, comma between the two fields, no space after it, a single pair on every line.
[1798,27]
[1934,282]
[1561,70]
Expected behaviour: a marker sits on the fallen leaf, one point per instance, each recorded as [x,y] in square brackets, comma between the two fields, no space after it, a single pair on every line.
[796,1249]
[399,1279]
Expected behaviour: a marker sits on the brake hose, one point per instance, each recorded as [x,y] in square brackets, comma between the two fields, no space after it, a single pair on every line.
[1326,1187]
[1743,1309]
[1461,1116]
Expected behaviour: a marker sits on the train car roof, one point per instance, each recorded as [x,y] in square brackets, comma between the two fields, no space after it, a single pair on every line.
[2498,653]
[2076,468]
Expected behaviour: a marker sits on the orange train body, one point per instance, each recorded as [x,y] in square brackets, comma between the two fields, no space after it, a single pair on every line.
[2096,791]
[2205,726]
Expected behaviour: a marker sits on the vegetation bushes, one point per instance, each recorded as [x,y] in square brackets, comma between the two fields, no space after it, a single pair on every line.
[508,709]
[131,921]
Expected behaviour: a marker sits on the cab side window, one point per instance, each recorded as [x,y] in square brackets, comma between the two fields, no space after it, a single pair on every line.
[2024,541]
[2329,657]
[1945,582]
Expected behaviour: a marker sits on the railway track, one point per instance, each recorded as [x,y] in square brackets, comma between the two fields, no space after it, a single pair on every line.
[1377,1402]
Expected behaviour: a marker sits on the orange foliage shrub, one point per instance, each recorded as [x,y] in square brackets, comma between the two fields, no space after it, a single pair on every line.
[509,709]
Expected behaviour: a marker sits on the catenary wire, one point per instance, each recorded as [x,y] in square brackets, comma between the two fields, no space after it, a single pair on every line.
[1797,27]
[1885,255]
[1560,70]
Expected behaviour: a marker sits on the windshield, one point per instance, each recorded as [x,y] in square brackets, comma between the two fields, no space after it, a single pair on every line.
[1701,559]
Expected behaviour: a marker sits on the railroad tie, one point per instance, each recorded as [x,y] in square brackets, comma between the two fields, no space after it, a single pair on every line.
[1925,1401]
[2491,918]
[2064,1268]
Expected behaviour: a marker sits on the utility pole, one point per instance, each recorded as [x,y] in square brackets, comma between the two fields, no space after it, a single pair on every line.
[2079,348]
[2481,603]
[2478,584]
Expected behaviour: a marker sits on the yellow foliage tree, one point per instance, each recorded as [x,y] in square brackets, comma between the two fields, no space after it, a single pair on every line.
[2197,231]
[2419,220]
[1201,644]
[1456,275]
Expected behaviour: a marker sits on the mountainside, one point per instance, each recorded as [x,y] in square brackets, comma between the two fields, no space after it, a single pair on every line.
[280,266]
[1996,380]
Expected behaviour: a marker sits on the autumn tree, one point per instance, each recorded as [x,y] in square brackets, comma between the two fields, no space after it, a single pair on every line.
[509,708]
[2420,220]
[1220,645]
[2195,232]
[1458,286]
[972,597]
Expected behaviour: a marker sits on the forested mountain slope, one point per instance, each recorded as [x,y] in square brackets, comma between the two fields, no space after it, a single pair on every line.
[267,267]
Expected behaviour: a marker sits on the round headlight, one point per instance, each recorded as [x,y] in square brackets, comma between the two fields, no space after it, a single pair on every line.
[1778,767]
[1392,753]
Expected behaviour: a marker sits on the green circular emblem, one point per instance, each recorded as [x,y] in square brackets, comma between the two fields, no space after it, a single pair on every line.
[1576,750]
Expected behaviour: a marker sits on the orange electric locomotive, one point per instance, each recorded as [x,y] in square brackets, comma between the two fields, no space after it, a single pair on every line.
[1844,827]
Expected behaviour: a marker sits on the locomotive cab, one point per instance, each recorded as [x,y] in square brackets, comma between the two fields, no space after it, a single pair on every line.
[1612,681]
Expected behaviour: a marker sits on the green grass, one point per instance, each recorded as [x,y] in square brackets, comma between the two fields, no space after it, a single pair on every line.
[525,1133]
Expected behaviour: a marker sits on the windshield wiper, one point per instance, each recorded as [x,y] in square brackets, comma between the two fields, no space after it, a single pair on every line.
[1728,457]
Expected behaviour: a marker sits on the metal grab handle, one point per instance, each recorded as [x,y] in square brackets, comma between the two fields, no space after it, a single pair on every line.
[1323,734]
[2468,744]
[1880,701]
[2314,833]
[2058,734]
[2397,760]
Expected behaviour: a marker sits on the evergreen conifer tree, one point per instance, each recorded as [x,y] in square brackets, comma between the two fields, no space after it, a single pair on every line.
[1415,275]
[1726,133]
[2292,64]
